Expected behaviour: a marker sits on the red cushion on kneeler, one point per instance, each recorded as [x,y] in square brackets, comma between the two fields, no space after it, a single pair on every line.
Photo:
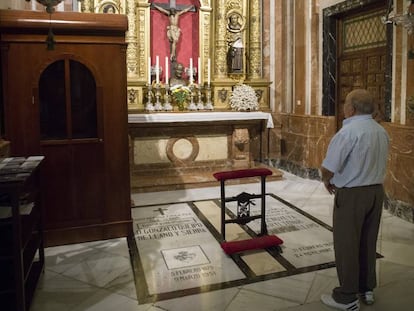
[249,172]
[264,241]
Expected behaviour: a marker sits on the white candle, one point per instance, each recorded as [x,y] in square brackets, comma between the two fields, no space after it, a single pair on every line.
[166,70]
[157,69]
[191,71]
[208,72]
[199,71]
[149,70]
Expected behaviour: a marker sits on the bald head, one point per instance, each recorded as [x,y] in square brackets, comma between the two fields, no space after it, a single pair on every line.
[360,101]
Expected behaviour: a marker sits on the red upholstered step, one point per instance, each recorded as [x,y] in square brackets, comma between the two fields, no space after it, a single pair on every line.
[264,241]
[250,172]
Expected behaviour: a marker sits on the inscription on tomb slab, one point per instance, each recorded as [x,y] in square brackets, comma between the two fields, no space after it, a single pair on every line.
[184,257]
[305,242]
[177,251]
[174,228]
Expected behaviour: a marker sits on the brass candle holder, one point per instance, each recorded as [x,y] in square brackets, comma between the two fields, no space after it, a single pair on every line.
[149,106]
[167,105]
[200,105]
[209,104]
[158,105]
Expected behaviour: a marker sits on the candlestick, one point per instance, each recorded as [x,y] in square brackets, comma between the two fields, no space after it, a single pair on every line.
[200,105]
[199,70]
[209,104]
[208,72]
[191,70]
[167,105]
[149,70]
[192,105]
[149,106]
[166,70]
[157,69]
[157,106]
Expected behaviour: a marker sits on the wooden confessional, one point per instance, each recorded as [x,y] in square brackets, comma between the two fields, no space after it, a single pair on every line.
[69,104]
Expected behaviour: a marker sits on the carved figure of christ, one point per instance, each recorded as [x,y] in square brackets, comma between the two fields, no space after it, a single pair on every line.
[173,30]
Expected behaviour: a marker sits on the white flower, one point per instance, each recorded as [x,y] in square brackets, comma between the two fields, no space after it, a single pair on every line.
[243,98]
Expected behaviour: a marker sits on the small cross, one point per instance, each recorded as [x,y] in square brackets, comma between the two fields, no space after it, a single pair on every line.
[161,210]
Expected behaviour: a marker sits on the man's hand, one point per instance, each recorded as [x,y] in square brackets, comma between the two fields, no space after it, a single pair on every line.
[326,178]
[329,187]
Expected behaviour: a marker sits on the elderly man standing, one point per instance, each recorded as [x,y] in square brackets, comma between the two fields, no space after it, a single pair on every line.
[354,170]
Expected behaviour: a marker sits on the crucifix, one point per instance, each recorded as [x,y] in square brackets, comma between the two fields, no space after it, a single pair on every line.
[173,13]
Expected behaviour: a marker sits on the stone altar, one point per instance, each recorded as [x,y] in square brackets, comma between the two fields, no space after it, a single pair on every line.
[182,150]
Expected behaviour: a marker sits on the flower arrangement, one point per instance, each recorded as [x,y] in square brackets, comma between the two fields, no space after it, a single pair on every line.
[180,94]
[243,98]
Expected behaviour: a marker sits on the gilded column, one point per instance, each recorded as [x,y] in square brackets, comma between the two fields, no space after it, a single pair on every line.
[220,63]
[204,35]
[131,38]
[255,46]
[144,38]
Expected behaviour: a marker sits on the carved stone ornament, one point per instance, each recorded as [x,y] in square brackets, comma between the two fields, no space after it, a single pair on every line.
[259,94]
[223,95]
[235,21]
[132,94]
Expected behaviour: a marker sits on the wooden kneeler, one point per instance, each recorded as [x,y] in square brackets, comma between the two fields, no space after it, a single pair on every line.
[243,211]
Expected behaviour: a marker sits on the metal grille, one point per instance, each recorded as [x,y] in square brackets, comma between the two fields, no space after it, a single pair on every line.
[364,32]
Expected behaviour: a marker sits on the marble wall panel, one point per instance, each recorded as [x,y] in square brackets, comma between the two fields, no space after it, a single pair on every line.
[155,150]
[304,140]
[399,183]
[293,139]
[209,148]
[274,140]
[150,151]
[321,129]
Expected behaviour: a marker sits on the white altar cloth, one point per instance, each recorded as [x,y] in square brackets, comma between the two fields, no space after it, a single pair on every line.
[200,117]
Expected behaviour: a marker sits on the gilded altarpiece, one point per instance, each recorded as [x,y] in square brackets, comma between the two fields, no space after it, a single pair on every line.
[223,25]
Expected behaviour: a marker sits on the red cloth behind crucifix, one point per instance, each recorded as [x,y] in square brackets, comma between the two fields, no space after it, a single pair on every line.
[188,44]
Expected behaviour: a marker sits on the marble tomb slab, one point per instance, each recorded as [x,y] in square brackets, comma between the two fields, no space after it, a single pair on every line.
[177,251]
[306,241]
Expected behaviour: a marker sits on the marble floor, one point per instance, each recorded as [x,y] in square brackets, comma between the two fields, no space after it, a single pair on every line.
[98,275]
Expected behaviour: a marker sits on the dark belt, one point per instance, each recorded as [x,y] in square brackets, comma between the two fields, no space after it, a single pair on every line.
[360,186]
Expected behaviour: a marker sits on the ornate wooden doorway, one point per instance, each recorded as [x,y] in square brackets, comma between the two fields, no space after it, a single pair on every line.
[362,58]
